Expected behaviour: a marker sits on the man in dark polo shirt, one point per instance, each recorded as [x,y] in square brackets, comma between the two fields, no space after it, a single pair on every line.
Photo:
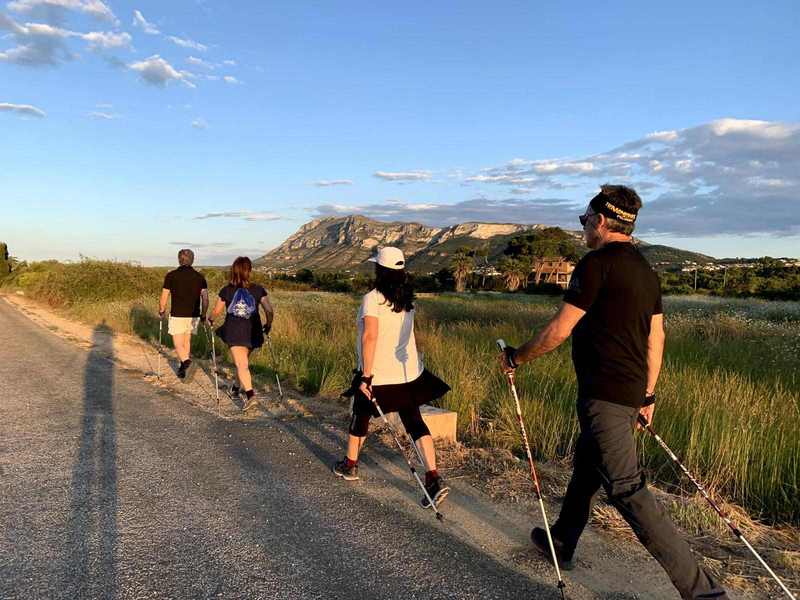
[613,311]
[189,292]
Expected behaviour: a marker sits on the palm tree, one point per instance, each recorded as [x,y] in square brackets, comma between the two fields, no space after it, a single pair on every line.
[461,265]
[513,272]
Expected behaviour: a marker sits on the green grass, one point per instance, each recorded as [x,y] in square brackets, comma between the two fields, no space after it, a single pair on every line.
[729,395]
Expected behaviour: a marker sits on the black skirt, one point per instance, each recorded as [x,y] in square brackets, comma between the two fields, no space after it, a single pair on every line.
[395,397]
[236,331]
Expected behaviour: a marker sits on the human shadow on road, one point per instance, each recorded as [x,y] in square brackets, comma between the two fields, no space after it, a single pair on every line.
[348,536]
[92,537]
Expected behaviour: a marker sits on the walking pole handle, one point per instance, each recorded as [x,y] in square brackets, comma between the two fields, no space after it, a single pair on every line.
[501,343]
[643,421]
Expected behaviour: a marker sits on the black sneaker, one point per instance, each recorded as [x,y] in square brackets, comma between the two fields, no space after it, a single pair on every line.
[566,559]
[348,473]
[189,372]
[252,402]
[182,371]
[437,490]
[234,391]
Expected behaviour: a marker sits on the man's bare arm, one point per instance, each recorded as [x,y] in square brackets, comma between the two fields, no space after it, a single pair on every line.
[203,302]
[552,336]
[162,303]
[655,351]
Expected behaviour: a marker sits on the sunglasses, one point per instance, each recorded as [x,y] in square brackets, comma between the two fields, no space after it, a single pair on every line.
[585,219]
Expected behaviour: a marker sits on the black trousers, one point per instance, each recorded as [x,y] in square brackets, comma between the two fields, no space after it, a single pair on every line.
[606,457]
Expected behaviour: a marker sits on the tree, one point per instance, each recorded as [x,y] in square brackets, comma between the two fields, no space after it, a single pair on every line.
[461,265]
[513,271]
[5,264]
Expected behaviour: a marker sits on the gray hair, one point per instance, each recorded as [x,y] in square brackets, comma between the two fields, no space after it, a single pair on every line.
[185,257]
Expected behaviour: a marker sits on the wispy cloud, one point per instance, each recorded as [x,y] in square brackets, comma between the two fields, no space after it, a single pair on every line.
[202,244]
[231,79]
[25,110]
[332,182]
[102,116]
[157,71]
[94,8]
[44,44]
[404,175]
[242,214]
[504,210]
[187,43]
[200,124]
[143,24]
[734,176]
[199,62]
[229,63]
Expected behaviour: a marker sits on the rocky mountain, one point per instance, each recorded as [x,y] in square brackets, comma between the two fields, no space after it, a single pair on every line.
[345,244]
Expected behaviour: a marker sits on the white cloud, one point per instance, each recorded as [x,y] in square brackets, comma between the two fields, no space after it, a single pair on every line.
[332,182]
[107,39]
[199,62]
[200,124]
[43,44]
[102,116]
[242,214]
[727,176]
[94,8]
[404,175]
[202,244]
[25,110]
[229,63]
[143,24]
[157,71]
[187,43]
[231,79]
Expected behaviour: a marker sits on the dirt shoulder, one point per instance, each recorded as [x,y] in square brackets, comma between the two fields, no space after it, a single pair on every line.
[478,476]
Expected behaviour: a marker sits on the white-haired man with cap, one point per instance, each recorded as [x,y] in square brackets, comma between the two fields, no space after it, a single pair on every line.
[390,370]
[612,309]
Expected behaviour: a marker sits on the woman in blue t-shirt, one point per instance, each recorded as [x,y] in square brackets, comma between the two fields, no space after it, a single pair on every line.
[242,330]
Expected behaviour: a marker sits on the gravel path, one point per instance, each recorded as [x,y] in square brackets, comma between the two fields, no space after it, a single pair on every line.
[115,488]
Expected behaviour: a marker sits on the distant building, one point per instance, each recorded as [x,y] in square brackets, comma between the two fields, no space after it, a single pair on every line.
[553,270]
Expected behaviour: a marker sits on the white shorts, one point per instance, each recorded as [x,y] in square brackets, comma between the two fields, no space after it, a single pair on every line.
[183,325]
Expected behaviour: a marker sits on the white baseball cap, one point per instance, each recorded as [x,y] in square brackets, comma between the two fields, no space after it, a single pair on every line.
[390,257]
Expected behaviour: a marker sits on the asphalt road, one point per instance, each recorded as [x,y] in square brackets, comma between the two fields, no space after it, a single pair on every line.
[114,488]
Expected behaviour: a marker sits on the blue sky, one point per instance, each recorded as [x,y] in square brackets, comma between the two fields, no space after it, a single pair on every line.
[130,129]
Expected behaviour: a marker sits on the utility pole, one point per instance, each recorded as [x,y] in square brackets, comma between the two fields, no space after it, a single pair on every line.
[695,279]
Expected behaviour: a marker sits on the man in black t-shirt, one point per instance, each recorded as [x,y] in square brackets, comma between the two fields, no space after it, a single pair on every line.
[613,311]
[189,292]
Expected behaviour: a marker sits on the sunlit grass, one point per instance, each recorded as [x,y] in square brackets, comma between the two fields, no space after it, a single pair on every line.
[729,395]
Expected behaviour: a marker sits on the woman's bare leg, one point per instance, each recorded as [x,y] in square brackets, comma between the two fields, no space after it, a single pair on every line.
[240,358]
[425,445]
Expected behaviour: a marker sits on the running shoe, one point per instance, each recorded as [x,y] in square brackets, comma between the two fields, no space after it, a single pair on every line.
[345,471]
[566,559]
[437,489]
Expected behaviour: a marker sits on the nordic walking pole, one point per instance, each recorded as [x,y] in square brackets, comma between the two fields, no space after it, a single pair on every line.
[510,376]
[160,346]
[723,515]
[275,367]
[214,361]
[439,515]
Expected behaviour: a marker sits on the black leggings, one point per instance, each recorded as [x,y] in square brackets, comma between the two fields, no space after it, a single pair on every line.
[410,417]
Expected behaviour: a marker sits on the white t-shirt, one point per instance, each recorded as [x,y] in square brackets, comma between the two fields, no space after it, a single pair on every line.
[396,357]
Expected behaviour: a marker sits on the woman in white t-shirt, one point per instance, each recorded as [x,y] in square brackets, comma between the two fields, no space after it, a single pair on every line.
[390,369]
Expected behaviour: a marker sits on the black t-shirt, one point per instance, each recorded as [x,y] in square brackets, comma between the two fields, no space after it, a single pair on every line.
[620,293]
[226,295]
[185,285]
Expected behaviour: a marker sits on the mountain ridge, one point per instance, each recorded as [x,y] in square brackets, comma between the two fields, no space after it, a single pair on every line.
[345,243]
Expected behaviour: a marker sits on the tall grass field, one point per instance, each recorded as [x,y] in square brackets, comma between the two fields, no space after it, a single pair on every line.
[728,397]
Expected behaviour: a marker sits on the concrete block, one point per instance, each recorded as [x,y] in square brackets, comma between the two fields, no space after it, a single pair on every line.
[442,423]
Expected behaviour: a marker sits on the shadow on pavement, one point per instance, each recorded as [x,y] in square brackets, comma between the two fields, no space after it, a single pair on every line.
[92,528]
